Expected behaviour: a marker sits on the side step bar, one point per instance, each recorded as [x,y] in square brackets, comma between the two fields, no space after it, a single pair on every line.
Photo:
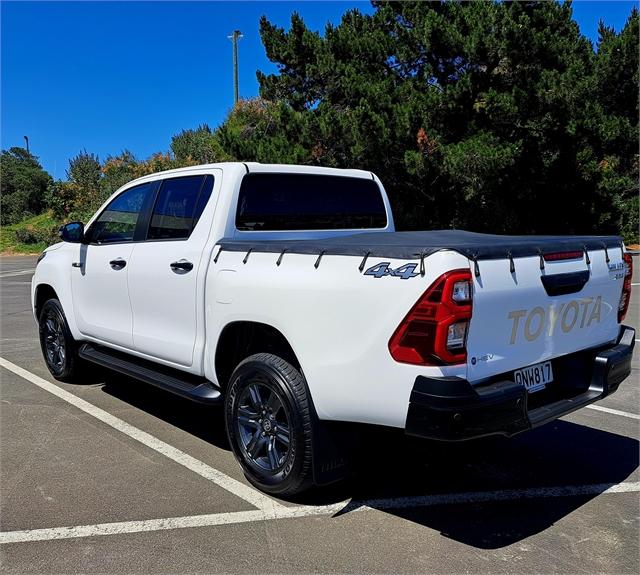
[173,380]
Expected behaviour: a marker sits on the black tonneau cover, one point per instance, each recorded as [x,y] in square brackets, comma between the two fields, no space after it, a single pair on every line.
[413,245]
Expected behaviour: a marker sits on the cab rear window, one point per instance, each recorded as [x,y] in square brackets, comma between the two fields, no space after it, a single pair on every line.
[283,202]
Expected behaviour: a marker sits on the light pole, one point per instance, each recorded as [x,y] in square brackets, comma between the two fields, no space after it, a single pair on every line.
[234,38]
[26,139]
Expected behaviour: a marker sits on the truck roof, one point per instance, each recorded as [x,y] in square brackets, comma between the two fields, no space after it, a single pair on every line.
[259,167]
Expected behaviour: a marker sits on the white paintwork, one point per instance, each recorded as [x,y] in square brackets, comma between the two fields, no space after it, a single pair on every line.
[100,294]
[497,293]
[169,327]
[337,320]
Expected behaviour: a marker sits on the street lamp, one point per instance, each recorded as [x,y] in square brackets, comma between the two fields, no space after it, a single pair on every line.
[234,38]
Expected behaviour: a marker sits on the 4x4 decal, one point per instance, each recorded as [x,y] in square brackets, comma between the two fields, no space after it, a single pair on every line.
[382,269]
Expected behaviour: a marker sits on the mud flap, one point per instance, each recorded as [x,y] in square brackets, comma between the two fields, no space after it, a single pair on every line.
[332,445]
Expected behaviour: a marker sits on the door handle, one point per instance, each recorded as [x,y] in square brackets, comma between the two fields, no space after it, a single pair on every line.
[181,266]
[118,263]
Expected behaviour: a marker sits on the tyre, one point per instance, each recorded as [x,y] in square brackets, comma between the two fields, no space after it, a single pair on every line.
[59,349]
[268,416]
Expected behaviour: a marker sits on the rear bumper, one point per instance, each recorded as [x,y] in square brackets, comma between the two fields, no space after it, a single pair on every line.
[451,409]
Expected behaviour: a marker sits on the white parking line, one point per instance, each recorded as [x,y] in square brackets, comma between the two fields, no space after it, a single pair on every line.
[614,411]
[262,502]
[214,519]
[16,273]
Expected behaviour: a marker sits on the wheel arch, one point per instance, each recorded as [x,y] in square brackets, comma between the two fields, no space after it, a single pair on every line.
[43,292]
[241,339]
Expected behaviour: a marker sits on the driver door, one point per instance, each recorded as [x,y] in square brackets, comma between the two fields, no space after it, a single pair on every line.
[99,280]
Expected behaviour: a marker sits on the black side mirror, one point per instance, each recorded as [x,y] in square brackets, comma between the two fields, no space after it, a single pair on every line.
[73,232]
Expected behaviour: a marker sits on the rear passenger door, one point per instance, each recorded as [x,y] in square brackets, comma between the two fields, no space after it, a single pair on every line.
[164,270]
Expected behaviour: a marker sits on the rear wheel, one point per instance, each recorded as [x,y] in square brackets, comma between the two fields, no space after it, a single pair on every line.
[268,419]
[59,349]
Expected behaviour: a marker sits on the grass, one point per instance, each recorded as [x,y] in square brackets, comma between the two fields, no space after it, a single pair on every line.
[42,224]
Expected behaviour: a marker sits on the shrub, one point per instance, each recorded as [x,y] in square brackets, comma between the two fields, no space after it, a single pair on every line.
[31,235]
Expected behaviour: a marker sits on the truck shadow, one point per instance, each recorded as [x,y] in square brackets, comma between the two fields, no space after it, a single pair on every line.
[387,464]
[561,454]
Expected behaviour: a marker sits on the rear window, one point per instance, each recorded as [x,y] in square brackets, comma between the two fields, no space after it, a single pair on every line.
[281,202]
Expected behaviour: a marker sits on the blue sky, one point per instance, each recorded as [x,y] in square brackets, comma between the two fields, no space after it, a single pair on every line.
[105,76]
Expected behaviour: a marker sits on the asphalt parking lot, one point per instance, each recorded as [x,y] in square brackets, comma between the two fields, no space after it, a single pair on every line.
[113,476]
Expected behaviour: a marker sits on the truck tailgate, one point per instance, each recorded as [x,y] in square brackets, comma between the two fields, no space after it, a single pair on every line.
[530,315]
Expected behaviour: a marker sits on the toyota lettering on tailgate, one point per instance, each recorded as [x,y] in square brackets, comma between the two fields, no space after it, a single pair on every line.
[575,314]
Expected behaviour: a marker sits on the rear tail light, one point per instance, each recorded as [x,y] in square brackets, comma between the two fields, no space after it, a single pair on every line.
[434,332]
[625,297]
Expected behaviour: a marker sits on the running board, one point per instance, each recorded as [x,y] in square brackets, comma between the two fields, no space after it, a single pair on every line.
[172,380]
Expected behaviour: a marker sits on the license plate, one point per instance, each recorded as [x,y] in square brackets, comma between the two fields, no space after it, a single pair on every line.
[535,377]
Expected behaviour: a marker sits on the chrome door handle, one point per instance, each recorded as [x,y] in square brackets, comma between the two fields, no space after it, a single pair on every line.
[118,263]
[181,266]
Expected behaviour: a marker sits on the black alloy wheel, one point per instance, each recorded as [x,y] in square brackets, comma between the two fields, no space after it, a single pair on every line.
[268,416]
[59,349]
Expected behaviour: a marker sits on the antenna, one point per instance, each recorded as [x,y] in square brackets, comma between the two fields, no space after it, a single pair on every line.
[237,35]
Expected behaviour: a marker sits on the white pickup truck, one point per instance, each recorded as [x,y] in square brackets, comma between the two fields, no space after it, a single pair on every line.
[285,294]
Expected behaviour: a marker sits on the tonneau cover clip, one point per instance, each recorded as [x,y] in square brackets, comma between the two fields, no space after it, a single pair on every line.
[512,265]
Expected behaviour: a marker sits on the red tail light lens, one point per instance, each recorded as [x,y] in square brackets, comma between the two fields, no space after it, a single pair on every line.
[434,332]
[558,256]
[625,297]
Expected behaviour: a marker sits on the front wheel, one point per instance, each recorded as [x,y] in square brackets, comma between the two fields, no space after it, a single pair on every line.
[268,416]
[59,349]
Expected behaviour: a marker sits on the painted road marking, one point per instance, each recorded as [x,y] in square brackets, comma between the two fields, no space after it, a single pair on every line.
[16,273]
[254,497]
[236,517]
[614,411]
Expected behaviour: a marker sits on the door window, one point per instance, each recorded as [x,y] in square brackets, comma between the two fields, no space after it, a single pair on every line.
[117,223]
[179,206]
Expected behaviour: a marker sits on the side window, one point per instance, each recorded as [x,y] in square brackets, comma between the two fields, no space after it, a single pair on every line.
[117,223]
[179,206]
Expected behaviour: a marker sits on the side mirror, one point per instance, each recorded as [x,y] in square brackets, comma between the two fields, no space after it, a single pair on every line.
[72,232]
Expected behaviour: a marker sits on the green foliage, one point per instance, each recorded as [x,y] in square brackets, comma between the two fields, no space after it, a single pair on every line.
[81,192]
[31,235]
[23,185]
[85,170]
[485,115]
[199,146]
[259,131]
[61,198]
[492,116]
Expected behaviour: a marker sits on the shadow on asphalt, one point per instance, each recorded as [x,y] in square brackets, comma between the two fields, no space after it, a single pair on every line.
[388,464]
